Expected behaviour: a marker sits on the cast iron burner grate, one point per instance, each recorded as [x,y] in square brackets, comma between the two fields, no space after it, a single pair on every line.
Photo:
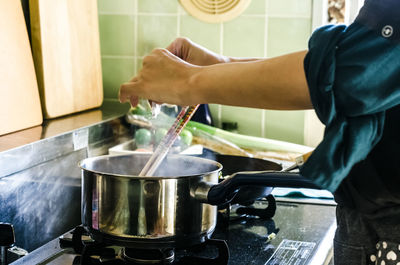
[265,214]
[211,252]
[147,256]
[228,215]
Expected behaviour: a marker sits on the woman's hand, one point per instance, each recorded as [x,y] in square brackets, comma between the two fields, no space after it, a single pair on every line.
[164,75]
[194,53]
[163,78]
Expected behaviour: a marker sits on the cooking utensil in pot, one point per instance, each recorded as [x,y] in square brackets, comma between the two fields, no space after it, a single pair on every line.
[177,202]
[162,149]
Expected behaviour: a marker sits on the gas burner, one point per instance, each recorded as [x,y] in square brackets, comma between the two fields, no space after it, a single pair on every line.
[192,258]
[99,253]
[147,256]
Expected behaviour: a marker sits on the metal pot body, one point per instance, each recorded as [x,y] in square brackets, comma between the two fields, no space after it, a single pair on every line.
[157,211]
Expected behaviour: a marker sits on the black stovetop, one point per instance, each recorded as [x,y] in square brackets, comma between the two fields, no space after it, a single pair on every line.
[299,233]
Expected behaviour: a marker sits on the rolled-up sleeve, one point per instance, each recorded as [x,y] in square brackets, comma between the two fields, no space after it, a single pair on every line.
[352,75]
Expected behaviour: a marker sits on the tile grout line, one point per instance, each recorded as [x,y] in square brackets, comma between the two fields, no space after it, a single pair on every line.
[221,38]
[177,14]
[178,22]
[106,13]
[106,56]
[221,51]
[289,16]
[263,112]
[266,29]
[135,36]
[158,14]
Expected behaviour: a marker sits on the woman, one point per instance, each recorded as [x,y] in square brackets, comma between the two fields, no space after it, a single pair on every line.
[351,77]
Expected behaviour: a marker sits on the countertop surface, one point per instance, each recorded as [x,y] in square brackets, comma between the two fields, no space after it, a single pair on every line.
[111,109]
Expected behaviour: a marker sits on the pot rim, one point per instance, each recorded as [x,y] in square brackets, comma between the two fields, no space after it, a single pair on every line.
[82,167]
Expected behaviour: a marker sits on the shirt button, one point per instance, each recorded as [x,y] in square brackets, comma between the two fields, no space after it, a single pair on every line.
[387,31]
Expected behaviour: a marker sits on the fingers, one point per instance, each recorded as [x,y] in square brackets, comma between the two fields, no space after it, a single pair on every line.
[172,48]
[179,47]
[134,79]
[134,101]
[130,91]
[155,73]
[155,57]
[126,93]
[156,102]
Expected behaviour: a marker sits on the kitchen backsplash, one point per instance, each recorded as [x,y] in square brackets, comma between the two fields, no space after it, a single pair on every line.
[130,29]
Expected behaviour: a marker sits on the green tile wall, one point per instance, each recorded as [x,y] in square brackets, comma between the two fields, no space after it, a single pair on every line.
[244,37]
[209,36]
[129,29]
[115,72]
[117,35]
[287,35]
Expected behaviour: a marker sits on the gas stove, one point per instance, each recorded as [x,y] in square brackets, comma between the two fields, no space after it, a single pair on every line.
[298,232]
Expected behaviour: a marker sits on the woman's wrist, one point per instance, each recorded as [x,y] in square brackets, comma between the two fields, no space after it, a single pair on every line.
[197,81]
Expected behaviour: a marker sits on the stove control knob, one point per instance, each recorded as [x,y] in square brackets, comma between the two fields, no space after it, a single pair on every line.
[7,239]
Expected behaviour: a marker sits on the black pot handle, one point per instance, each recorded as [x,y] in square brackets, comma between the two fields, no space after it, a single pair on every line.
[224,192]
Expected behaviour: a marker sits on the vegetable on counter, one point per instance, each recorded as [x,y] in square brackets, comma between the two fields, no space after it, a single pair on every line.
[248,142]
[159,135]
[186,137]
[143,138]
[232,140]
[139,110]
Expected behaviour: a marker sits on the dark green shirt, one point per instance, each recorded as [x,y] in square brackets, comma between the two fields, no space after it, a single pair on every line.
[353,73]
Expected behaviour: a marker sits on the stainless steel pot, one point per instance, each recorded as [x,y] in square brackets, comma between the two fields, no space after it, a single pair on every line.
[175,208]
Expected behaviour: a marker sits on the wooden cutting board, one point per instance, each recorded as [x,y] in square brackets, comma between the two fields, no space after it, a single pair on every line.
[66,49]
[19,95]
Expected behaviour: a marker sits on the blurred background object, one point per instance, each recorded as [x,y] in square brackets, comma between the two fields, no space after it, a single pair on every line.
[336,11]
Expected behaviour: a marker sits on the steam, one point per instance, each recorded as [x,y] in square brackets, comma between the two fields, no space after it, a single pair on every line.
[42,202]
[130,165]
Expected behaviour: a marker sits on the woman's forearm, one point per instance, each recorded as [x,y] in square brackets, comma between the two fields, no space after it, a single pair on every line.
[275,83]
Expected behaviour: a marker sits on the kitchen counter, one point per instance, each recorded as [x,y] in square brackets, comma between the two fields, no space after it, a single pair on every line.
[110,110]
[96,130]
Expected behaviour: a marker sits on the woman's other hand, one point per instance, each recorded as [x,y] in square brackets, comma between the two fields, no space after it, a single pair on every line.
[195,54]
[163,78]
